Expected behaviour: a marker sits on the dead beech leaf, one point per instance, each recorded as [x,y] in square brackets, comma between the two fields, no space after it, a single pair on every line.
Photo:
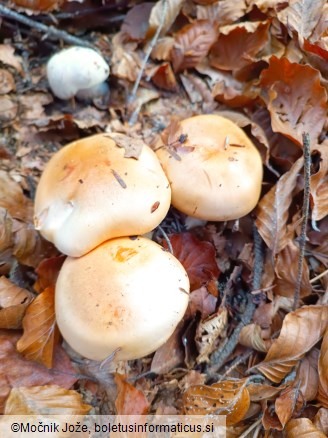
[170,354]
[163,77]
[7,81]
[295,98]
[273,210]
[319,185]
[222,12]
[197,257]
[48,271]
[251,336]
[230,398]
[301,330]
[135,23]
[200,300]
[8,57]
[238,45]
[131,146]
[301,16]
[307,378]
[321,420]
[162,49]
[261,391]
[46,400]
[40,330]
[286,268]
[13,302]
[130,400]
[192,44]
[16,371]
[208,331]
[323,365]
[302,427]
[288,403]
[156,16]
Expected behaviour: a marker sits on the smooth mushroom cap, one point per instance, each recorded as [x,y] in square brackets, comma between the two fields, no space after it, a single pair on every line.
[89,192]
[214,169]
[74,69]
[124,297]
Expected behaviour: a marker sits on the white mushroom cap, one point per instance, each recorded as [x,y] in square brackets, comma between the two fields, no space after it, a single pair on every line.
[214,169]
[75,69]
[126,296]
[90,192]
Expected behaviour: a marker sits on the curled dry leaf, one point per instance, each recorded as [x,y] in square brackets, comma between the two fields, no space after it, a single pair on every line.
[238,46]
[261,391]
[307,378]
[40,331]
[8,57]
[230,398]
[16,371]
[48,271]
[321,420]
[295,98]
[164,78]
[286,268]
[301,330]
[288,403]
[207,333]
[130,400]
[302,427]
[198,259]
[273,210]
[200,300]
[251,336]
[162,49]
[126,61]
[170,354]
[323,366]
[46,400]
[192,44]
[222,12]
[301,16]
[319,185]
[13,303]
[132,146]
[156,18]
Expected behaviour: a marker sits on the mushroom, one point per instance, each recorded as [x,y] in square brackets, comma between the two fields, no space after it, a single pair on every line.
[124,298]
[77,71]
[90,191]
[214,169]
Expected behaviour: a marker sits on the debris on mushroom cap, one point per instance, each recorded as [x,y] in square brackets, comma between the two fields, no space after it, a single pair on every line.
[90,192]
[125,297]
[214,169]
[77,69]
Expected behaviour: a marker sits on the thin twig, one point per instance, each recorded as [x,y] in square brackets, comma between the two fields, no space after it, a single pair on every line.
[133,94]
[235,363]
[50,31]
[251,427]
[166,237]
[313,280]
[305,214]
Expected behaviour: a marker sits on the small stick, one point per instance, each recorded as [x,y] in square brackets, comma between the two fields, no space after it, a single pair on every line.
[305,213]
[313,280]
[133,95]
[48,30]
[166,237]
[251,427]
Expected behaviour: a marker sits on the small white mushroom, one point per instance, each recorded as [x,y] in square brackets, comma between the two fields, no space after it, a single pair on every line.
[77,71]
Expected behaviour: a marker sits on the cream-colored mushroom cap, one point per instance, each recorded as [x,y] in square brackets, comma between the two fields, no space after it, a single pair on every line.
[214,169]
[90,192]
[126,296]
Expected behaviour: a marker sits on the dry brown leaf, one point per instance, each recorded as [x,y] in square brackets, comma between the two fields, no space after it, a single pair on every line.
[7,81]
[230,398]
[273,210]
[302,427]
[156,16]
[13,302]
[48,271]
[238,45]
[39,5]
[192,44]
[15,371]
[301,330]
[323,365]
[321,420]
[169,355]
[163,77]
[251,336]
[162,49]
[288,403]
[222,12]
[301,16]
[208,332]
[8,109]
[200,300]
[307,378]
[8,57]
[286,268]
[132,146]
[130,400]
[40,331]
[125,62]
[319,185]
[261,391]
[135,23]
[295,98]
[46,400]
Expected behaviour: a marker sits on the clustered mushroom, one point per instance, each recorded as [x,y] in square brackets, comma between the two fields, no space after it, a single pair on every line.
[123,296]
[78,71]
